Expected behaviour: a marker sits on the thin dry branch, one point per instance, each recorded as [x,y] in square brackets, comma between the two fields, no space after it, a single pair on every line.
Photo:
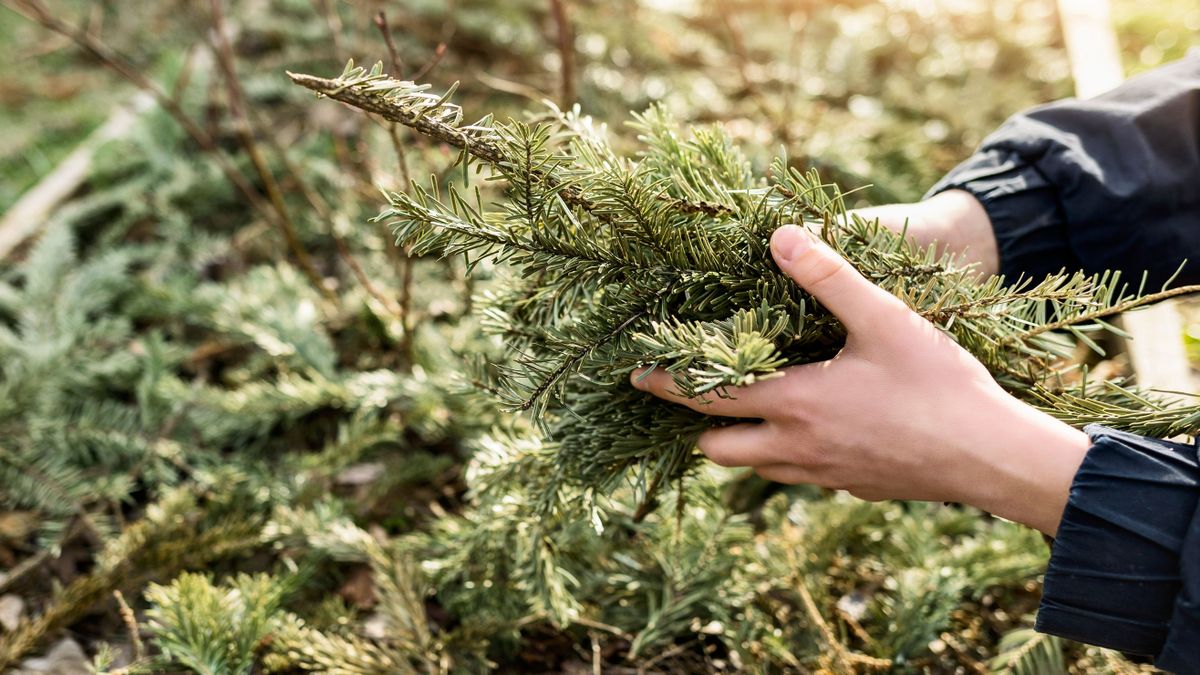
[566,52]
[237,107]
[381,22]
[438,53]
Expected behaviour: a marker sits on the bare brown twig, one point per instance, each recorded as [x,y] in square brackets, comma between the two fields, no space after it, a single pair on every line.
[381,22]
[438,53]
[237,108]
[38,12]
[325,213]
[334,21]
[402,259]
[741,57]
[566,52]
[839,657]
[131,625]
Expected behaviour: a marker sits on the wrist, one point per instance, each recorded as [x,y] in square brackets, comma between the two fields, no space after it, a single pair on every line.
[1024,468]
[960,225]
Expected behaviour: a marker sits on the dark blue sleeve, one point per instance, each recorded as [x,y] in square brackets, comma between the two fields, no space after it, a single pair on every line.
[1125,567]
[1109,183]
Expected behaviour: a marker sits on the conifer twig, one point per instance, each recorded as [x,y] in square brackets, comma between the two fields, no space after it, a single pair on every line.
[1102,312]
[436,129]
[650,501]
[156,549]
[479,147]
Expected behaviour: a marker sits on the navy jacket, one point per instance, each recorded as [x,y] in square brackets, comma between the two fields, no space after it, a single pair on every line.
[1112,183]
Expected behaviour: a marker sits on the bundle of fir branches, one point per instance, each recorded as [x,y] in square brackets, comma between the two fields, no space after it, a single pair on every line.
[661,259]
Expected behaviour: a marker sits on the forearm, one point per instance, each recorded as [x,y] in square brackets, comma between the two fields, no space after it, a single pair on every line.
[954,220]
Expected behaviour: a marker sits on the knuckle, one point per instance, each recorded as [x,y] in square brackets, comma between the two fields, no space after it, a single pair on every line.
[796,405]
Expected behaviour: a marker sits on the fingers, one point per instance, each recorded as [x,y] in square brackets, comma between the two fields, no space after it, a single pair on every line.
[756,400]
[835,283]
[749,444]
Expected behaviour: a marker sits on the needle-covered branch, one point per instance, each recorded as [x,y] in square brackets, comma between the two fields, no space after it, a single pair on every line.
[661,258]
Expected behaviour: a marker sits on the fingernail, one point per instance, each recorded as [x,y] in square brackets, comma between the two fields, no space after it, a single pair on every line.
[637,378]
[790,241]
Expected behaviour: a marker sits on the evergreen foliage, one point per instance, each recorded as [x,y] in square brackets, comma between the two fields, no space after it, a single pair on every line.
[662,259]
[213,630]
[281,472]
[1026,652]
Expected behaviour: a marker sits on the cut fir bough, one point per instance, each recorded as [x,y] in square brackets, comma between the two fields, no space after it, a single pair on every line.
[662,258]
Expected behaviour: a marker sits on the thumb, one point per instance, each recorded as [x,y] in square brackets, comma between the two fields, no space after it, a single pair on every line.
[818,269]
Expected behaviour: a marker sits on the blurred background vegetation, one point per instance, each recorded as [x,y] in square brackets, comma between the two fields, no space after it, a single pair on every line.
[236,433]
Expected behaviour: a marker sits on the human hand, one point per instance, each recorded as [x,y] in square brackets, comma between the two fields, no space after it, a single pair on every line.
[953,219]
[902,412]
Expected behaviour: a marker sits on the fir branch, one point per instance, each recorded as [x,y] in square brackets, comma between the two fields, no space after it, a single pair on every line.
[573,360]
[404,102]
[1027,652]
[1106,311]
[153,546]
[622,262]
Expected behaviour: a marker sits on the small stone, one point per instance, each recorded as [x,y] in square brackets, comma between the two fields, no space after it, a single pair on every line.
[361,474]
[12,607]
[66,657]
[16,525]
[375,627]
[853,605]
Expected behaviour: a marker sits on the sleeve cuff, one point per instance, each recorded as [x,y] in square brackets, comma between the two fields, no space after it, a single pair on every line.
[1114,571]
[1031,234]
[1183,640]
